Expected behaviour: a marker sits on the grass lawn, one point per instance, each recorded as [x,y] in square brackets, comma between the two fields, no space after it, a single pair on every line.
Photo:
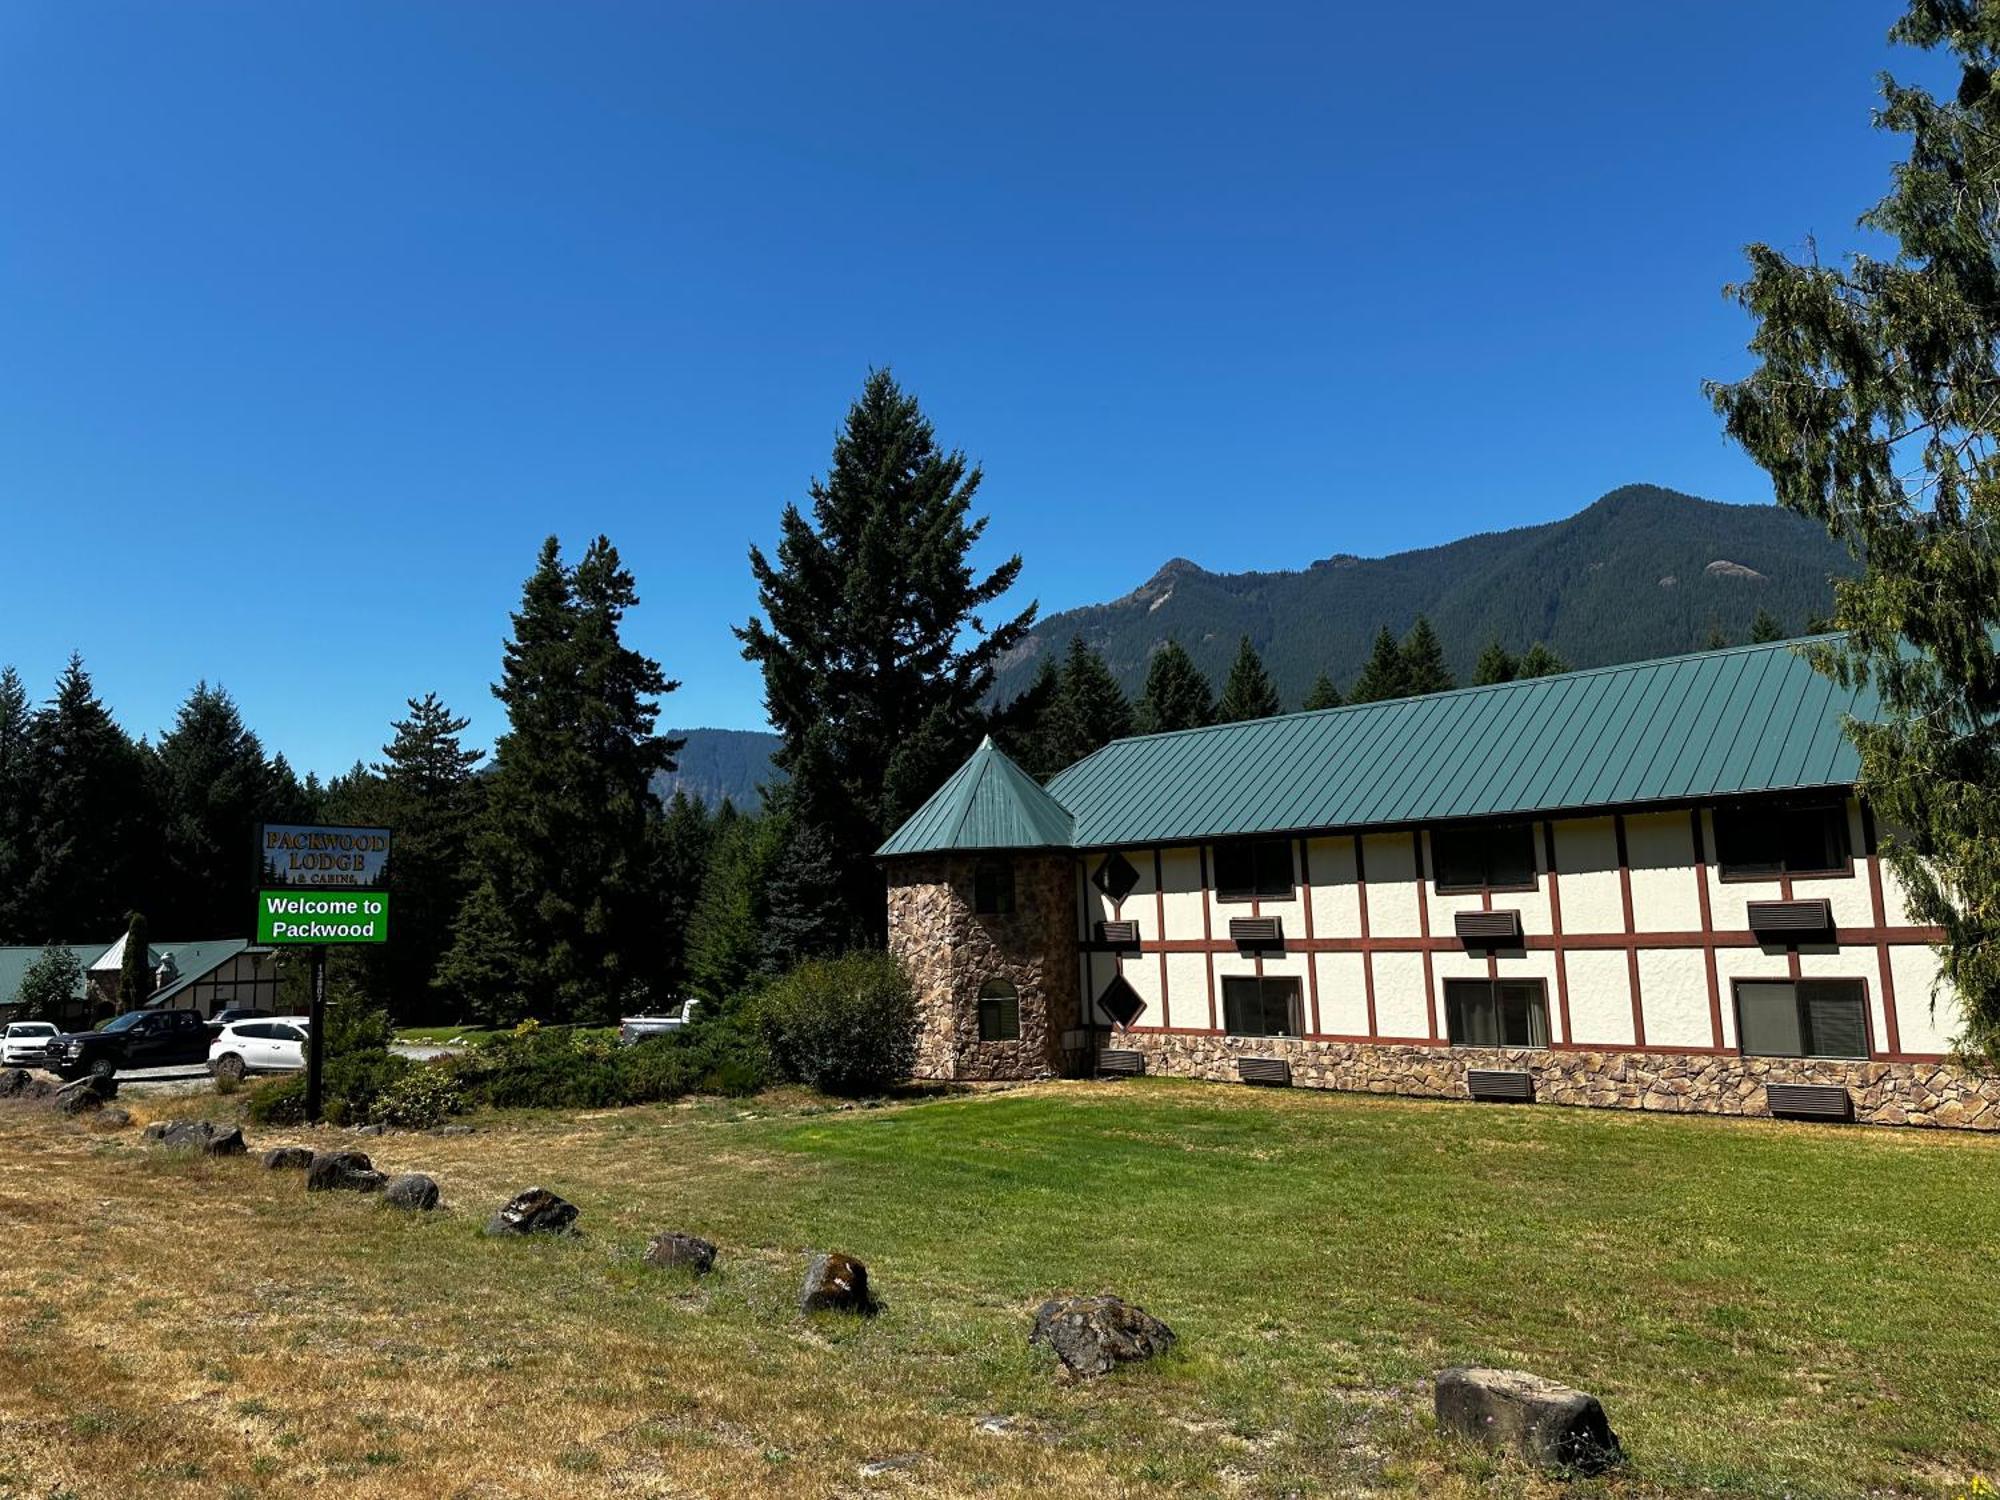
[1765,1309]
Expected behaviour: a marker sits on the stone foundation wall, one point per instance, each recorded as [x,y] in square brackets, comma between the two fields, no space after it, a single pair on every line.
[951,952]
[1884,1093]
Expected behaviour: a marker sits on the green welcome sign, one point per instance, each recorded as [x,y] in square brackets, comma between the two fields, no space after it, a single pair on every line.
[314,917]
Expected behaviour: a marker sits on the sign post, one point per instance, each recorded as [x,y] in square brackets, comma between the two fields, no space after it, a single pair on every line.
[317,886]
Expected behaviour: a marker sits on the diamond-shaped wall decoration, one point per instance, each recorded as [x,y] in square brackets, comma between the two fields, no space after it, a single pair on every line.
[1121,1002]
[1115,877]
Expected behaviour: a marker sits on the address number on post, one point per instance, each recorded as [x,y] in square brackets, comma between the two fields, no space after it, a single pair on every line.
[322,917]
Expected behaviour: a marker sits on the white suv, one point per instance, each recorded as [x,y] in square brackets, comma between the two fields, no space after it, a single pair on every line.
[274,1044]
[27,1042]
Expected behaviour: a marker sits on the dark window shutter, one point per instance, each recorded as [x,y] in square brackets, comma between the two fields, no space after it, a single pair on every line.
[1836,1018]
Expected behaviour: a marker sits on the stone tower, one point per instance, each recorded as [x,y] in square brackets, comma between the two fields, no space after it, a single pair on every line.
[983,912]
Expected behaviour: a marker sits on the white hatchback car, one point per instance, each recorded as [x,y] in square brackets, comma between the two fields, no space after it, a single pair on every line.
[27,1042]
[272,1044]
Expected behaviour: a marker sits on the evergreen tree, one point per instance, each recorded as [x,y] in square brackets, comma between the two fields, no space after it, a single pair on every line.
[1424,670]
[1766,627]
[135,965]
[875,658]
[1086,711]
[1717,640]
[92,828]
[484,975]
[1384,675]
[1867,371]
[214,786]
[809,916]
[1248,692]
[52,984]
[1324,694]
[683,839]
[1539,661]
[1496,664]
[565,857]
[17,803]
[425,792]
[1030,738]
[1176,695]
[726,933]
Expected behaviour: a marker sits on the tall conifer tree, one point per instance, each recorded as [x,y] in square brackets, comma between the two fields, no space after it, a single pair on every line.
[1539,661]
[17,803]
[1248,692]
[1324,694]
[426,793]
[1424,670]
[565,858]
[1496,664]
[1384,675]
[1872,408]
[1086,711]
[135,965]
[1177,696]
[876,661]
[214,785]
[93,829]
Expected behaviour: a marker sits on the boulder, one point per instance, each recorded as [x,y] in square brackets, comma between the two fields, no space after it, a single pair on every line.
[371,1130]
[342,1171]
[203,1136]
[836,1283]
[1543,1422]
[111,1118]
[676,1249]
[536,1211]
[412,1191]
[288,1158]
[1091,1334]
[19,1083]
[86,1094]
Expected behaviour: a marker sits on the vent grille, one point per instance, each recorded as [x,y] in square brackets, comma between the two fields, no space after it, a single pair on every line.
[1273,1071]
[1115,1062]
[1118,934]
[1502,1084]
[1479,928]
[1791,916]
[1256,932]
[1808,1101]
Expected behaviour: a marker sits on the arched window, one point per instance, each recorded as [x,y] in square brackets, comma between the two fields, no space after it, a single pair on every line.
[999,1012]
[993,889]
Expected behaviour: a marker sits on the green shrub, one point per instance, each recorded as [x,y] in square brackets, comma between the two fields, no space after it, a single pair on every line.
[359,1068]
[554,1068]
[842,1025]
[425,1096]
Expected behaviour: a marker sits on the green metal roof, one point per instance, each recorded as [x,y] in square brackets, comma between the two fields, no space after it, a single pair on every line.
[192,962]
[989,803]
[15,963]
[1718,724]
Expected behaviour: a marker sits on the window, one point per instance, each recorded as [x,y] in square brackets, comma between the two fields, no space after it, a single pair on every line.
[1496,1013]
[1802,1018]
[1754,842]
[1254,1006]
[1484,858]
[286,1034]
[993,889]
[999,1012]
[1120,1001]
[1253,867]
[255,1031]
[1116,877]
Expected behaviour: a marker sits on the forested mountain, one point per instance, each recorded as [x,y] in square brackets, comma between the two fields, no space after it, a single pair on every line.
[1643,572]
[718,763]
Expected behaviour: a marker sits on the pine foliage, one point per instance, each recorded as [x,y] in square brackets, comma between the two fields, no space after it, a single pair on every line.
[1323,694]
[1386,674]
[1872,409]
[1177,695]
[1248,693]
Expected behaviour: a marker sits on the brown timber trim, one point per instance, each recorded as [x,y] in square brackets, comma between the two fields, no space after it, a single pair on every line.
[1573,942]
[1207,938]
[1306,901]
[1424,928]
[1878,911]
[1160,919]
[1708,926]
[1556,924]
[1631,926]
[1367,945]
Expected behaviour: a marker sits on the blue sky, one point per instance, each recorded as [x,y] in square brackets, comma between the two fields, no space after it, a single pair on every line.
[314,320]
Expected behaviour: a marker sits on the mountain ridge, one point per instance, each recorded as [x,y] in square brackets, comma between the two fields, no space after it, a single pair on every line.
[1642,571]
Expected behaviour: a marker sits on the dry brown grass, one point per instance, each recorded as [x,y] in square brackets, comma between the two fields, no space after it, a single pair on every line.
[180,1327]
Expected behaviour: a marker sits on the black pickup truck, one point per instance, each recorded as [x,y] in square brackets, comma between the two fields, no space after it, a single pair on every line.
[137,1039]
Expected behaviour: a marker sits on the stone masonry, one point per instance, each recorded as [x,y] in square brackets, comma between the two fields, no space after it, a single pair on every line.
[951,952]
[1884,1093]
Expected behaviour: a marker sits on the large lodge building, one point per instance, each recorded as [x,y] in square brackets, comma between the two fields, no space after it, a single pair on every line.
[1649,886]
